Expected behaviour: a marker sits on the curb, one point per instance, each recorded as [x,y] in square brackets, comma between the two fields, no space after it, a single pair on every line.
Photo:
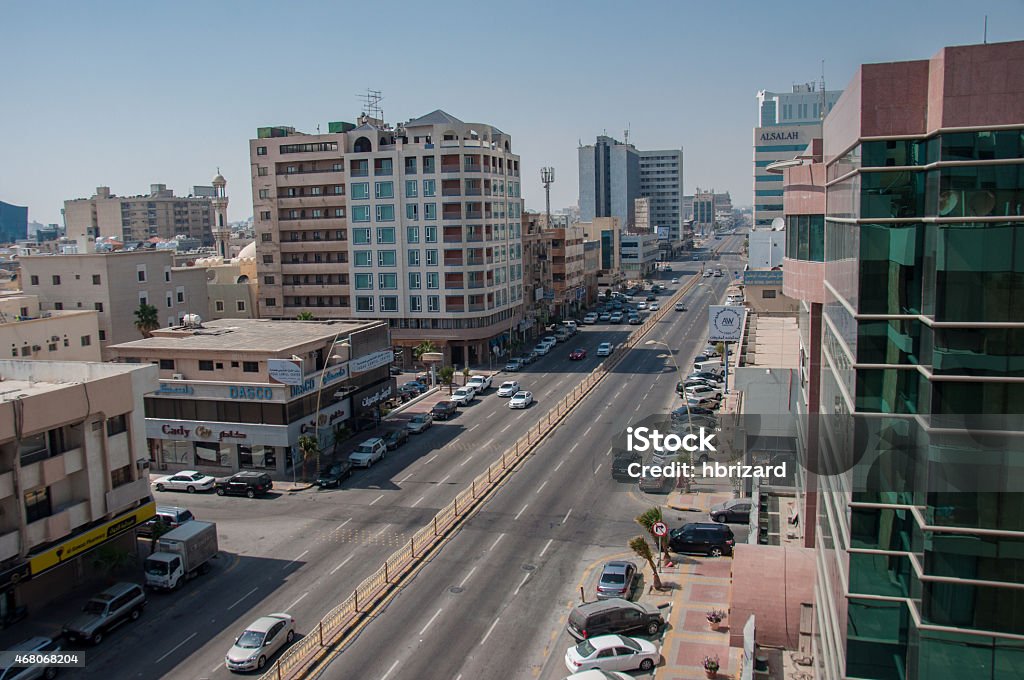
[409,403]
[684,508]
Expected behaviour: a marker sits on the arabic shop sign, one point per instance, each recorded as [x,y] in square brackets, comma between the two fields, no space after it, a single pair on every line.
[378,396]
[332,375]
[214,390]
[369,362]
[196,431]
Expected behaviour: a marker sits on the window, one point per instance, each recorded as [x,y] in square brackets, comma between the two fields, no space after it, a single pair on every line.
[386,213]
[120,477]
[270,302]
[261,171]
[433,280]
[428,164]
[58,306]
[411,188]
[261,151]
[412,211]
[410,165]
[219,304]
[360,190]
[117,424]
[415,303]
[384,189]
[431,257]
[264,215]
[56,280]
[386,258]
[413,257]
[266,237]
[34,280]
[412,234]
[363,258]
[251,366]
[433,303]
[361,236]
[95,279]
[268,259]
[430,211]
[37,504]
[140,273]
[98,306]
[364,303]
[269,280]
[385,234]
[364,281]
[264,193]
[429,187]
[167,364]
[387,281]
[414,280]
[339,212]
[240,305]
[205,365]
[360,213]
[389,303]
[181,294]
[103,337]
[767,294]
[430,234]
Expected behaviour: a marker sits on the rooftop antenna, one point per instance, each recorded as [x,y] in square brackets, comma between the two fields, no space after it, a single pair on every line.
[821,113]
[547,177]
[371,103]
[625,134]
[984,36]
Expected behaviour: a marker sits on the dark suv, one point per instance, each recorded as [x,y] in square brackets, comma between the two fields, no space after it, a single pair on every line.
[249,484]
[333,474]
[443,410]
[702,537]
[614,616]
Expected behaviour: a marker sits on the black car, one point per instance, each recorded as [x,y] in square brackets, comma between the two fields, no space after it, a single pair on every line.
[612,617]
[443,410]
[735,510]
[621,463]
[396,438]
[652,298]
[333,474]
[250,484]
[702,537]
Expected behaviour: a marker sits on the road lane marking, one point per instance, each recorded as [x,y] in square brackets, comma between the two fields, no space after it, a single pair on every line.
[343,524]
[505,428]
[598,468]
[467,577]
[609,452]
[417,502]
[432,618]
[488,442]
[587,431]
[558,466]
[564,519]
[521,583]
[445,479]
[468,458]
[297,601]
[542,486]
[500,536]
[637,407]
[521,511]
[486,635]
[546,546]
[343,563]
[388,672]
[492,414]
[376,499]
[473,428]
[242,598]
[386,527]
[573,448]
[295,560]
[431,459]
[403,480]
[175,648]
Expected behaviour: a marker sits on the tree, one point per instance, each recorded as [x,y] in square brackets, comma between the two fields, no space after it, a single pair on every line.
[465,375]
[643,551]
[159,528]
[146,319]
[445,375]
[647,520]
[309,447]
[304,316]
[110,560]
[425,347]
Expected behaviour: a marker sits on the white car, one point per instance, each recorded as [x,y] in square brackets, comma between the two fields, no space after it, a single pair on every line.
[368,453]
[675,280]
[549,340]
[654,307]
[595,674]
[703,392]
[641,305]
[521,399]
[542,349]
[590,318]
[260,641]
[463,396]
[612,653]
[186,480]
[707,274]
[480,383]
[508,388]
[514,365]
[604,349]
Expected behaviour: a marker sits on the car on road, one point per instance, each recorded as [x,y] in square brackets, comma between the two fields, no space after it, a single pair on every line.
[513,366]
[443,410]
[651,298]
[614,615]
[707,274]
[480,383]
[332,475]
[605,317]
[732,511]
[530,357]
[420,387]
[104,611]
[604,349]
[641,305]
[247,483]
[590,318]
[703,391]
[396,438]
[680,307]
[419,423]
[615,318]
[186,480]
[542,349]
[368,453]
[521,399]
[36,646]
[634,320]
[617,580]
[675,280]
[407,393]
[654,306]
[260,641]
[612,653]
[714,540]
[578,354]
[170,516]
[508,388]
[463,396]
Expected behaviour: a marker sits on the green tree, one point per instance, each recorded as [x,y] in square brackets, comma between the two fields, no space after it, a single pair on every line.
[465,375]
[647,520]
[425,347]
[160,528]
[304,316]
[445,375]
[640,546]
[146,319]
[309,447]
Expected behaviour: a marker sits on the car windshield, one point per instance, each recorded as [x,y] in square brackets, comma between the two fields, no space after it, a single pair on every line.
[197,476]
[363,448]
[94,607]
[629,642]
[613,578]
[250,639]
[156,568]
[421,418]
[585,649]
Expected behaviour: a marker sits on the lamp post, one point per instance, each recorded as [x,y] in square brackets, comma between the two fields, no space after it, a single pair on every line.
[319,397]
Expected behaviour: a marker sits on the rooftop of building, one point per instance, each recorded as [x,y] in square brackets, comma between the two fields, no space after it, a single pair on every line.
[21,378]
[771,342]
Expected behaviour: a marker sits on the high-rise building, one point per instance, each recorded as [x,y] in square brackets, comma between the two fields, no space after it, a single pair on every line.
[786,124]
[911,279]
[13,222]
[661,183]
[419,224]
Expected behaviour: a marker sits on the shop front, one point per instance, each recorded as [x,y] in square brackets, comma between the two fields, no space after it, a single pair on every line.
[367,402]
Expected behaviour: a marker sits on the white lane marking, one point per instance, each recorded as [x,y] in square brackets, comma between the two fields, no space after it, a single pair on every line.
[388,672]
[405,479]
[500,536]
[598,468]
[492,414]
[542,486]
[521,583]
[292,605]
[417,502]
[587,431]
[505,428]
[609,452]
[343,524]
[376,499]
[573,447]
[467,577]
[521,511]
[486,635]
[295,560]
[558,466]
[473,428]
[424,629]
[175,648]
[431,459]
[468,458]
[637,407]
[242,598]
[377,535]
[445,479]
[488,442]
[343,563]
[564,519]
[546,546]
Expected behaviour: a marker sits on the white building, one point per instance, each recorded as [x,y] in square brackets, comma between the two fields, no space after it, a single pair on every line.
[638,255]
[766,248]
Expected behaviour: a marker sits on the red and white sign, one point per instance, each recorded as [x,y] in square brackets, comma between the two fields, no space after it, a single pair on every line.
[659,529]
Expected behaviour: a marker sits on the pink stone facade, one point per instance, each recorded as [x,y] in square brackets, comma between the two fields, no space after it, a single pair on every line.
[771,582]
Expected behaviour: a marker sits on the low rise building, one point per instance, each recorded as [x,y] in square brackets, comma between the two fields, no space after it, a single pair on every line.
[766,248]
[639,255]
[607,231]
[30,333]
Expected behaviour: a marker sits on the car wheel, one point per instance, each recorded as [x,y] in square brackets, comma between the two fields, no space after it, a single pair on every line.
[159,487]
[718,518]
[190,488]
[249,493]
[220,492]
[290,637]
[653,628]
[715,551]
[134,616]
[261,663]
[96,638]
[646,665]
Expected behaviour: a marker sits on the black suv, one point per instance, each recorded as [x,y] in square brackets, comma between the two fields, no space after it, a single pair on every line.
[250,484]
[333,474]
[443,410]
[702,537]
[613,616]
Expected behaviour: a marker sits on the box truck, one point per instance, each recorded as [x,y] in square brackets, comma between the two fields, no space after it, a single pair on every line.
[181,554]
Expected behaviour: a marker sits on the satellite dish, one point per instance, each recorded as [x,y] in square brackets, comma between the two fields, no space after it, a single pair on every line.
[778,224]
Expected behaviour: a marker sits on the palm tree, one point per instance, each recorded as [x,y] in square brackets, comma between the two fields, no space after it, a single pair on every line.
[445,375]
[643,551]
[159,528]
[146,319]
[309,447]
[425,347]
[465,374]
[304,316]
[647,520]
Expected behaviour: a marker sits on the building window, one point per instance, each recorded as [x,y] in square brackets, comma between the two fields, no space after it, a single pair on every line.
[140,274]
[413,257]
[767,294]
[364,303]
[363,258]
[386,213]
[121,476]
[433,280]
[386,258]
[167,364]
[389,303]
[430,211]
[415,303]
[117,424]
[414,280]
[98,306]
[429,187]
[269,280]
[360,213]
[251,366]
[261,171]
[428,164]
[219,305]
[384,189]
[361,236]
[240,305]
[34,280]
[181,295]
[58,306]
[360,190]
[412,211]
[385,234]
[95,279]
[264,193]
[270,302]
[387,281]
[205,365]
[86,340]
[433,303]
[411,188]
[410,165]
[56,280]
[264,215]
[37,505]
[430,234]
[364,281]
[103,337]
[412,234]
[431,257]
[261,151]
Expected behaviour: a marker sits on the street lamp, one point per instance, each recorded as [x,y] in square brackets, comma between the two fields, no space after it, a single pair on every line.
[320,393]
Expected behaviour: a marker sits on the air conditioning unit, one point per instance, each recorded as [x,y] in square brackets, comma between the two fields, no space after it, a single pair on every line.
[177,376]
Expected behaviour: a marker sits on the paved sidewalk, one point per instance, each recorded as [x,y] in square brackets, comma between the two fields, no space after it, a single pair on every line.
[697,501]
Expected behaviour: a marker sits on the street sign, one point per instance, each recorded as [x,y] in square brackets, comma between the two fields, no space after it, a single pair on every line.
[725,323]
[659,529]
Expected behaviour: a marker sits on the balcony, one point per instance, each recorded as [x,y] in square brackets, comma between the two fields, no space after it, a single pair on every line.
[126,495]
[310,246]
[454,308]
[453,238]
[474,262]
[474,215]
[313,267]
[317,289]
[477,307]
[475,237]
[473,192]
[451,192]
[59,525]
[476,284]
[471,168]
[453,262]
[307,179]
[51,470]
[10,545]
[449,168]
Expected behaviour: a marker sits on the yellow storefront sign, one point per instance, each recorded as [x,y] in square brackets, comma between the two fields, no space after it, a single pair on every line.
[90,539]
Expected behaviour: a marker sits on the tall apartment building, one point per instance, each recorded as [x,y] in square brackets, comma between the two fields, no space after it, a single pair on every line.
[159,214]
[419,224]
[13,222]
[661,183]
[786,124]
[910,284]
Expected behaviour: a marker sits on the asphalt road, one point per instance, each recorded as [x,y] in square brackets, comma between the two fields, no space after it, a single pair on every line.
[304,552]
[492,603]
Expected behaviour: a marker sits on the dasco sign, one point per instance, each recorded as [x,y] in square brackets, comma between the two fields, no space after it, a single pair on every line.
[371,361]
[725,323]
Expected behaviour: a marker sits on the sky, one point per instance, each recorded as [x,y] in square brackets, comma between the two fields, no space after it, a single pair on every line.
[128,94]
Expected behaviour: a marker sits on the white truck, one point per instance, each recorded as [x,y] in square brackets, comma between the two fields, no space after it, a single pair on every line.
[181,554]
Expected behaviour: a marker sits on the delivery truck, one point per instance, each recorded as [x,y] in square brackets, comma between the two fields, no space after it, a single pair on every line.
[181,554]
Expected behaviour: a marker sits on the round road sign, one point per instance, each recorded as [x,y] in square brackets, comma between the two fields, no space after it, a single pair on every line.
[659,529]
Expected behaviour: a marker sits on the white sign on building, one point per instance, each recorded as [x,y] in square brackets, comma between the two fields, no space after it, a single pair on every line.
[285,371]
[725,323]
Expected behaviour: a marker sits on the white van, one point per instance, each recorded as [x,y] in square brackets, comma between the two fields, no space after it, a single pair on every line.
[709,365]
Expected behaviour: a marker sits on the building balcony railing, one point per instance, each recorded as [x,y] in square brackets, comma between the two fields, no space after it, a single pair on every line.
[452,216]
[313,267]
[477,284]
[471,168]
[450,168]
[450,192]
[474,192]
[474,215]
[477,307]
[359,173]
[319,289]
[453,238]
[453,262]
[453,285]
[475,262]
[455,309]
[124,496]
[474,238]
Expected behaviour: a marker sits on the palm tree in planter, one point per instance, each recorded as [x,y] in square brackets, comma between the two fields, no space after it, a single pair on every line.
[304,316]
[309,448]
[425,347]
[445,375]
[146,319]
[647,520]
[642,549]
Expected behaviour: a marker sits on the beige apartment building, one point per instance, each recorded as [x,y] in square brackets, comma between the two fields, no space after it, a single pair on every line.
[73,472]
[139,218]
[608,232]
[418,224]
[114,285]
[29,333]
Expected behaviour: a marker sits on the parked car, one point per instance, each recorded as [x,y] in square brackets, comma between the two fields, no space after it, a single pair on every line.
[419,423]
[480,383]
[612,653]
[420,387]
[617,580]
[104,611]
[407,393]
[614,615]
[521,399]
[514,366]
[395,438]
[712,402]
[260,641]
[702,537]
[530,357]
[578,354]
[597,674]
[463,396]
[542,349]
[616,318]
[634,320]
[369,452]
[703,391]
[590,318]
[654,306]
[170,516]
[332,475]
[443,410]
[707,375]
[186,480]
[508,388]
[694,410]
[711,352]
[40,646]
[604,349]
[734,510]
[605,317]
[246,483]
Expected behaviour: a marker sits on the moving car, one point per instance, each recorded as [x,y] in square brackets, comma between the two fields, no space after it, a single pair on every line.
[634,320]
[248,483]
[641,305]
[734,510]
[612,653]
[604,349]
[168,515]
[260,640]
[521,399]
[590,318]
[508,388]
[186,480]
[443,410]
[514,366]
[41,646]
[480,383]
[369,452]
[617,580]
[707,274]
[675,280]
[654,307]
[332,475]
[615,318]
[119,603]
[463,396]
[578,354]
[605,317]
[419,423]
[396,438]
[614,615]
[702,537]
[680,307]
[651,298]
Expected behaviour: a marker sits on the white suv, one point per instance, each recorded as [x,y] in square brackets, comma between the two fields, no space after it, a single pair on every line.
[368,453]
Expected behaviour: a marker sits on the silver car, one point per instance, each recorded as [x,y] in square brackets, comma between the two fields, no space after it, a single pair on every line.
[36,645]
[260,641]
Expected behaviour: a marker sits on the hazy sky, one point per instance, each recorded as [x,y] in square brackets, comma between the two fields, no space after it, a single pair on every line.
[126,94]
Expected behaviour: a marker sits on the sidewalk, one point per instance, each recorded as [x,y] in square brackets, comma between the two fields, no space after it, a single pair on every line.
[697,501]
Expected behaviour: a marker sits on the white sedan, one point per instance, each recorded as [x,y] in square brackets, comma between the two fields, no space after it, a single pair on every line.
[260,641]
[508,388]
[186,480]
[521,399]
[604,349]
[612,653]
[654,307]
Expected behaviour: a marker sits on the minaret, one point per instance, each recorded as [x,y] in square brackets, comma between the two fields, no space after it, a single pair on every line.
[221,231]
